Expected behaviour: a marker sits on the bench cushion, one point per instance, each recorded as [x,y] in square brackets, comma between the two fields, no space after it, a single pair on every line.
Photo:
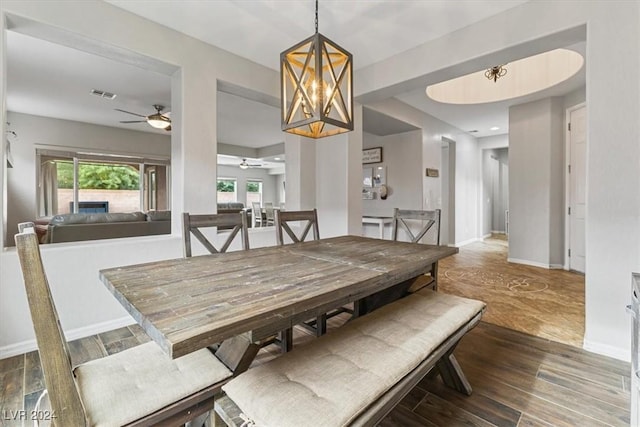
[329,381]
[126,386]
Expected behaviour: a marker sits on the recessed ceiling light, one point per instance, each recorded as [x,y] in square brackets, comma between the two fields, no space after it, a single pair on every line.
[277,158]
[494,128]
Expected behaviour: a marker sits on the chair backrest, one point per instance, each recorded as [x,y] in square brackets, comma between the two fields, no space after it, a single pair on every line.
[269,212]
[255,206]
[54,351]
[282,218]
[431,222]
[191,224]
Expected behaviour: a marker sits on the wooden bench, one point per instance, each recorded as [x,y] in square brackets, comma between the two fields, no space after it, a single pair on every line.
[356,374]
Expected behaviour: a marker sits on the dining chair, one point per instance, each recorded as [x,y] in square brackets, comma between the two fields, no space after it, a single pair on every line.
[236,222]
[256,212]
[309,220]
[419,226]
[269,215]
[140,386]
[283,218]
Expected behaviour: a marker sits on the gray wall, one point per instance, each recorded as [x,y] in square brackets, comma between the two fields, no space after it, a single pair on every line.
[536,184]
[269,182]
[54,134]
[402,157]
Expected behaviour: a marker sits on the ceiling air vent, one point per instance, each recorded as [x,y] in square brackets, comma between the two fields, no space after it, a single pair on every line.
[103,94]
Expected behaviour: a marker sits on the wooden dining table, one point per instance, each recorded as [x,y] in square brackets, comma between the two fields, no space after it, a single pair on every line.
[190,303]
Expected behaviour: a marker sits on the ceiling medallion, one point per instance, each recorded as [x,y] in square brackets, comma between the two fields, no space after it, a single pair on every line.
[316,77]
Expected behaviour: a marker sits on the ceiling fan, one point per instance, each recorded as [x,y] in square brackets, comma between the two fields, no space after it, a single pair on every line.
[245,165]
[157,120]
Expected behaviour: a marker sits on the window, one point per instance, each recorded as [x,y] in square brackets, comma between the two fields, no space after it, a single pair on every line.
[254,192]
[227,190]
[75,183]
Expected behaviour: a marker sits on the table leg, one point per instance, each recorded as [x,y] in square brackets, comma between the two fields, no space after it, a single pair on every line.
[381,227]
[237,353]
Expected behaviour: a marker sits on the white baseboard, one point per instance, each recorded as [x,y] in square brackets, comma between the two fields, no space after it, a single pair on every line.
[73,334]
[497,232]
[466,242]
[536,264]
[486,236]
[608,350]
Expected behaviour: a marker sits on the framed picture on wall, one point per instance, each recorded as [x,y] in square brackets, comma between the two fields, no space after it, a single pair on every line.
[367,177]
[372,155]
[380,176]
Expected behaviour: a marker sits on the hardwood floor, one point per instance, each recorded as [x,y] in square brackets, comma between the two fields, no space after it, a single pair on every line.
[518,379]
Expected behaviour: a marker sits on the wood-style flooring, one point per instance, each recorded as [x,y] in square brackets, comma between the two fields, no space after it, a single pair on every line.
[518,379]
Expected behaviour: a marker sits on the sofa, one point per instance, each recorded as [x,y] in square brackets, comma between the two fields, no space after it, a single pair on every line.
[230,207]
[233,207]
[95,226]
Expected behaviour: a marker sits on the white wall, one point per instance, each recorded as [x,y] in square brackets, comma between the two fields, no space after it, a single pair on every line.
[83,304]
[43,132]
[613,213]
[467,174]
[270,191]
[402,158]
[536,183]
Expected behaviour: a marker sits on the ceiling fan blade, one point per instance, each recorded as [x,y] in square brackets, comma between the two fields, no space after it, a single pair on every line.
[129,112]
[134,121]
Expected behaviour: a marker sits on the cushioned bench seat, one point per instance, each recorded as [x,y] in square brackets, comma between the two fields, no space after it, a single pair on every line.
[333,379]
[145,392]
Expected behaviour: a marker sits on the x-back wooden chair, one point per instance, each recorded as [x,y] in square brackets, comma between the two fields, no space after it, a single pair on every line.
[140,386]
[236,222]
[429,229]
[282,220]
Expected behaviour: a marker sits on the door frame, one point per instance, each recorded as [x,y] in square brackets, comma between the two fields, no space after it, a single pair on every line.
[567,180]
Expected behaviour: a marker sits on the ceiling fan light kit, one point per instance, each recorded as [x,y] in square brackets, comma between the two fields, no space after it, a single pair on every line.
[316,87]
[245,165]
[156,120]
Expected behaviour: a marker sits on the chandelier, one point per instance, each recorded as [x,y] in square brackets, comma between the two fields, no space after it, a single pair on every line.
[316,80]
[494,73]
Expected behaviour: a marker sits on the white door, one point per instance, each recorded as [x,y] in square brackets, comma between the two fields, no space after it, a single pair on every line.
[577,187]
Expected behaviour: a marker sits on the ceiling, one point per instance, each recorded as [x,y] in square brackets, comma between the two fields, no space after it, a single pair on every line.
[258,30]
[261,29]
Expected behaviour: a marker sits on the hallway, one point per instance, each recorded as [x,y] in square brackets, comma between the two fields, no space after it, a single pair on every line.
[544,303]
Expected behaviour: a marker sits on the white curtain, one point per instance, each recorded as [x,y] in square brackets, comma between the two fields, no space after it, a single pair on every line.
[48,189]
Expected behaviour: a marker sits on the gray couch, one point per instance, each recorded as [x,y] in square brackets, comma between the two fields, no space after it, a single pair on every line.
[96,226]
[230,207]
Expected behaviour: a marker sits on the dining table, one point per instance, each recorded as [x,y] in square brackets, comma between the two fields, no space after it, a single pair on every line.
[191,303]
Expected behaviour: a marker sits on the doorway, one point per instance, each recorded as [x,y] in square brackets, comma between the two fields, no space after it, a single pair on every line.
[495,191]
[576,187]
[448,192]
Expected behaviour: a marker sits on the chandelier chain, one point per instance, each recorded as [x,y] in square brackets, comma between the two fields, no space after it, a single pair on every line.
[316,16]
